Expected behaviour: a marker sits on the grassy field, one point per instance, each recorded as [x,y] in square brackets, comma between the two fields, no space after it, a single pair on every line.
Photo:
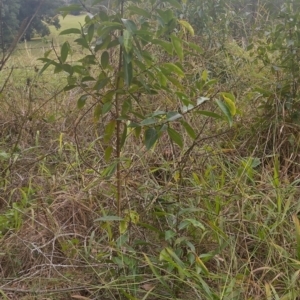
[27,52]
[227,228]
[24,59]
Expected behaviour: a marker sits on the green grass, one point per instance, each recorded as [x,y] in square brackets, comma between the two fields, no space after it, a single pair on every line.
[29,50]
[24,58]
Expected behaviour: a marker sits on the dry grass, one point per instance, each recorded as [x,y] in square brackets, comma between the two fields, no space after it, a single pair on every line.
[53,194]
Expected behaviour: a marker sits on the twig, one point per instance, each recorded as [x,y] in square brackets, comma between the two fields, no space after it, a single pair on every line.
[50,291]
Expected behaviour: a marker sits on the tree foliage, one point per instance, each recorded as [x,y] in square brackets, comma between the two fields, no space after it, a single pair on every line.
[13,13]
[152,49]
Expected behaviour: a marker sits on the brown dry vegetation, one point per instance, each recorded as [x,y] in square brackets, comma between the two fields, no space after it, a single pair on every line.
[53,191]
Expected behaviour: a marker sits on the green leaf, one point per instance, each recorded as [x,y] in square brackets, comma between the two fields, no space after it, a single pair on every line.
[139,11]
[58,68]
[106,107]
[175,136]
[68,9]
[4,155]
[177,44]
[45,67]
[151,137]
[127,41]
[109,130]
[137,131]
[126,107]
[122,228]
[70,31]
[208,114]
[69,87]
[188,222]
[109,171]
[265,93]
[102,43]
[82,42]
[109,219]
[225,109]
[128,70]
[195,47]
[173,115]
[100,84]
[47,53]
[230,105]
[108,152]
[80,70]
[97,112]
[188,26]
[167,46]
[157,273]
[90,32]
[190,131]
[104,59]
[148,121]
[81,101]
[64,51]
[68,68]
[130,25]
[172,68]
[108,27]
[229,95]
[166,18]
[124,136]
[162,79]
[174,80]
[87,79]
[169,234]
[174,3]
[88,60]
[204,75]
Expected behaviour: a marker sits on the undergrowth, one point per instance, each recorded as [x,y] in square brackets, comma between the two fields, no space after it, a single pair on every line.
[215,219]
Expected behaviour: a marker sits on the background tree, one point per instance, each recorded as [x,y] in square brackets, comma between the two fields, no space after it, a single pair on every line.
[13,13]
[9,20]
[46,16]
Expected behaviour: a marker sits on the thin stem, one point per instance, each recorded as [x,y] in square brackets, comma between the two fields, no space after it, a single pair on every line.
[118,122]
